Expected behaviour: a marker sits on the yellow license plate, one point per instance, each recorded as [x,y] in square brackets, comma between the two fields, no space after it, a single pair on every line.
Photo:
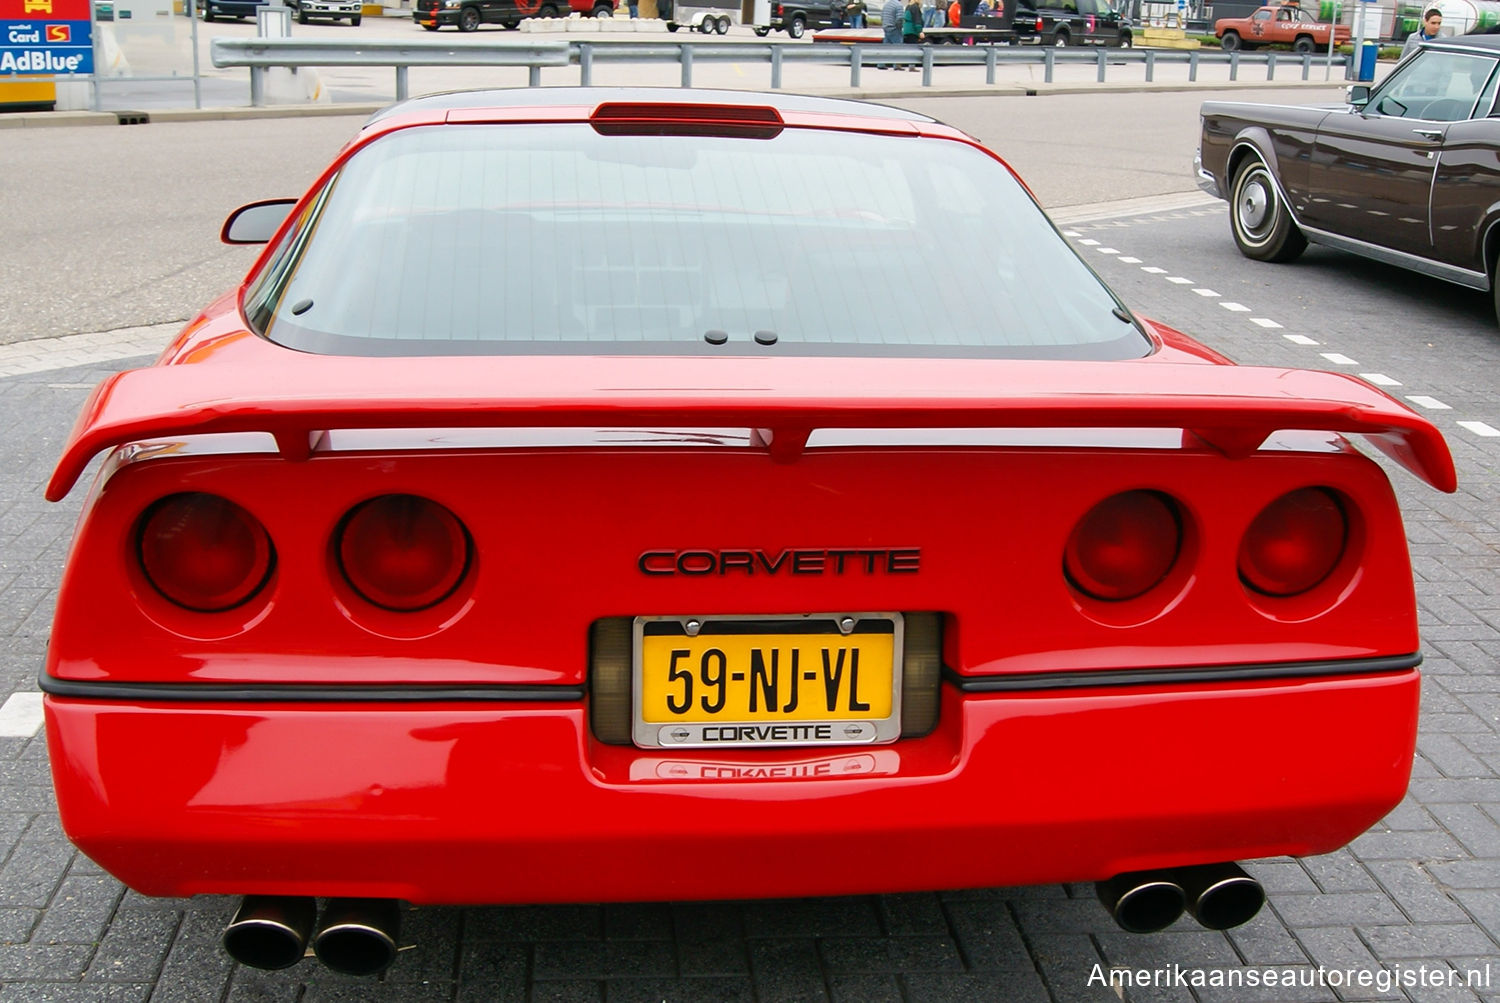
[715,681]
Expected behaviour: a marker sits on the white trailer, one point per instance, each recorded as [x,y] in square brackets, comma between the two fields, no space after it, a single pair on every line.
[707,18]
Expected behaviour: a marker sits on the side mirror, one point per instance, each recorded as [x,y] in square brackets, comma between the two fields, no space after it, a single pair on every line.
[1359,95]
[257,222]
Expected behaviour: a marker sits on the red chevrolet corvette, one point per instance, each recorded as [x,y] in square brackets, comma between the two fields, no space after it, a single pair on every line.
[602,495]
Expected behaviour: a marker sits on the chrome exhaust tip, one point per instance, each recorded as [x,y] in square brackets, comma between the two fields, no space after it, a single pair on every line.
[358,936]
[1142,901]
[270,931]
[1221,895]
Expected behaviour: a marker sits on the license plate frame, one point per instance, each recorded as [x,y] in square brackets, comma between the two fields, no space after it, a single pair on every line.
[851,728]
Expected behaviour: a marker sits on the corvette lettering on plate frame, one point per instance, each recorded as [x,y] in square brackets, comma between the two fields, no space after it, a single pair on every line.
[818,679]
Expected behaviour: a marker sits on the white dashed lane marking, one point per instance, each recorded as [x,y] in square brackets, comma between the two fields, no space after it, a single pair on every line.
[21,715]
[1335,358]
[1430,403]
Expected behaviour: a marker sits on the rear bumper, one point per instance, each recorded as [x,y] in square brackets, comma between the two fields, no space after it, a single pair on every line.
[505,803]
[1204,177]
[442,18]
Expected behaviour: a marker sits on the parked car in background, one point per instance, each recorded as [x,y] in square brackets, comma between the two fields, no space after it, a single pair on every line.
[1286,24]
[468,15]
[558,512]
[1407,173]
[1071,22]
[212,10]
[796,16]
[326,10]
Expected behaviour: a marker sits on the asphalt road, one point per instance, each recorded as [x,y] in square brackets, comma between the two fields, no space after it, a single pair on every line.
[117,227]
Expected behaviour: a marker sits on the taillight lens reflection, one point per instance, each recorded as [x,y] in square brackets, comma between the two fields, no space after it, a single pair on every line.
[1124,546]
[1294,543]
[204,552]
[403,552]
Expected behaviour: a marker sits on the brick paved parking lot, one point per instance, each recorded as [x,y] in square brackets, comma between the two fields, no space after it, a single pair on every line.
[1416,899]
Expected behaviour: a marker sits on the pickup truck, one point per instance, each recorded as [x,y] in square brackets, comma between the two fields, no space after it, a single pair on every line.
[1286,23]
[1071,22]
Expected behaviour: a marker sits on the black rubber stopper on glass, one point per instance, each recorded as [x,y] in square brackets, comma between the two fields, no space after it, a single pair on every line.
[765,337]
[716,337]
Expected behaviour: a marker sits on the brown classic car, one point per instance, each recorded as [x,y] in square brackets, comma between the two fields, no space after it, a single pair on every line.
[1408,172]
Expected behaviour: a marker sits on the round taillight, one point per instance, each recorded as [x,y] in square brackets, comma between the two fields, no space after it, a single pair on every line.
[403,552]
[1294,543]
[204,552]
[1124,546]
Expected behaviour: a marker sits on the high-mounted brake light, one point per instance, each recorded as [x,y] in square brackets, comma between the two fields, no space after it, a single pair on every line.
[1294,543]
[1124,546]
[402,552]
[203,552]
[648,118]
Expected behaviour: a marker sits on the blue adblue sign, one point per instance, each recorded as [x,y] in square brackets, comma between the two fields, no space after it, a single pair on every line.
[45,36]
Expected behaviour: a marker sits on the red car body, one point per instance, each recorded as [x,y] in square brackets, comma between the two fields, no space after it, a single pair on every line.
[307,741]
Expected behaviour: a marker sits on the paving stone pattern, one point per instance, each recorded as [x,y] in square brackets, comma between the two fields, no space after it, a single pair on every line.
[1421,889]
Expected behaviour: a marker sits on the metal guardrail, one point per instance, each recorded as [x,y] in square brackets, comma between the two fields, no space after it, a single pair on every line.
[261,53]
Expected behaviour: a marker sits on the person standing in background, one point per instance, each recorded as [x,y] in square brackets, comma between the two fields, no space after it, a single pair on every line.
[890,26]
[1432,22]
[912,22]
[855,12]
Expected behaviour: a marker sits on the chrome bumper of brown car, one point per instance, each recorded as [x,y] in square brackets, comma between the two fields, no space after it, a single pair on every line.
[1205,180]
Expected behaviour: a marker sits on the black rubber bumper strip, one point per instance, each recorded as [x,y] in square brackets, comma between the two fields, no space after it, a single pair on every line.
[1032,681]
[1016,682]
[304,693]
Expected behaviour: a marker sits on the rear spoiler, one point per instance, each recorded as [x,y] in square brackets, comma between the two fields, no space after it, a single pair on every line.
[1232,408]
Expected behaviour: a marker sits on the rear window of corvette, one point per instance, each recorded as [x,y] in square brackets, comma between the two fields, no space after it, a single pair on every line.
[526,239]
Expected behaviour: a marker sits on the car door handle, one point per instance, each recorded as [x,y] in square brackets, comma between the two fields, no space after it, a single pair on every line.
[1432,134]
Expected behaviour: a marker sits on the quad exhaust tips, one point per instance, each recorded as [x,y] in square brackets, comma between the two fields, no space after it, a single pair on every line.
[356,937]
[1218,895]
[270,931]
